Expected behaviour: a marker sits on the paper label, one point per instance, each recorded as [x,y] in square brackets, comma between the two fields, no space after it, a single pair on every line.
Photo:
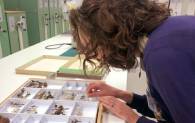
[12,24]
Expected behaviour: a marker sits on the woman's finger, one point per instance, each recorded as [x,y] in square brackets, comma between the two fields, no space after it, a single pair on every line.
[96,94]
[107,100]
[114,105]
[92,86]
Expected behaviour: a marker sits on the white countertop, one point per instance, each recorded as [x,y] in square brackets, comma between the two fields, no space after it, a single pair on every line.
[10,81]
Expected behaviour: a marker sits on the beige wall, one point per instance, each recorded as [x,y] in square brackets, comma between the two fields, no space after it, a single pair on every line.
[136,84]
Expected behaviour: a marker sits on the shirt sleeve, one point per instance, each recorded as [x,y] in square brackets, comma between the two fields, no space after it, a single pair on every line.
[173,75]
[141,105]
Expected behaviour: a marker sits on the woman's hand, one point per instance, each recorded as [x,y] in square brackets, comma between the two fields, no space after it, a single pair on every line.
[119,108]
[99,89]
[4,120]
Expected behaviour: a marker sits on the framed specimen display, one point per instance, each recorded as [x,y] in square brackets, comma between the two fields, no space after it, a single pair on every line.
[60,66]
[52,101]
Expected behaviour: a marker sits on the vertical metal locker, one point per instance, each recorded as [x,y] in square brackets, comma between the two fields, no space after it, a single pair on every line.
[61,18]
[4,39]
[17,28]
[53,27]
[64,16]
[56,16]
[37,18]
[66,22]
[45,19]
[37,14]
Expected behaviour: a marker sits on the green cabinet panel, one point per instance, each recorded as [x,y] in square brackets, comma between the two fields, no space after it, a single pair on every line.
[52,13]
[45,18]
[60,18]
[37,19]
[66,22]
[37,13]
[4,39]
[65,19]
[56,15]
[63,10]
[17,28]
[11,5]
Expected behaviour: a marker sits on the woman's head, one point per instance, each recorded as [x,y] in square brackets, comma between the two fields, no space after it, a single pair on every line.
[110,30]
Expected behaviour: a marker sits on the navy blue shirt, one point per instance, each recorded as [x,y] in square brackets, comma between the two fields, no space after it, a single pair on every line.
[169,61]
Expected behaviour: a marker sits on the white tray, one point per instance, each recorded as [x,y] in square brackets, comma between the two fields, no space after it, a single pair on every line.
[30,103]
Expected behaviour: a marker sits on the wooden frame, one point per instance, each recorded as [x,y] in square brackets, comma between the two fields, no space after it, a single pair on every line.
[22,69]
[63,71]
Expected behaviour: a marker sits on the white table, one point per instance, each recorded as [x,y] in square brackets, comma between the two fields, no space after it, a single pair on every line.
[9,81]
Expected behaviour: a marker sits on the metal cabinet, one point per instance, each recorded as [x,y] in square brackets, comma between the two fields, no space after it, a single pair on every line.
[45,18]
[4,38]
[66,22]
[56,18]
[61,4]
[37,14]
[52,14]
[17,30]
[64,16]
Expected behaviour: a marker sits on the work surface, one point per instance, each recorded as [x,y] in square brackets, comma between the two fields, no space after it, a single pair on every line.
[9,81]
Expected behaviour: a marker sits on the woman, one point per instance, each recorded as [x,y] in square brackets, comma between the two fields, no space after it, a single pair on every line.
[116,32]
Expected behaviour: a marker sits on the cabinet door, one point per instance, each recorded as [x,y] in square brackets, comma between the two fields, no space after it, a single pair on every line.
[46,19]
[4,39]
[22,30]
[13,33]
[52,18]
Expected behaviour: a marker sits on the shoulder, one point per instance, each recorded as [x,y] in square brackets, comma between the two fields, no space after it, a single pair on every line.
[174,24]
[176,34]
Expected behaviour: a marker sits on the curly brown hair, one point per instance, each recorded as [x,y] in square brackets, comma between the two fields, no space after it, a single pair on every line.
[114,29]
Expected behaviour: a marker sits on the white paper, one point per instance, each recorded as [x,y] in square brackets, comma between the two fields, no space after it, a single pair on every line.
[51,65]
[12,23]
